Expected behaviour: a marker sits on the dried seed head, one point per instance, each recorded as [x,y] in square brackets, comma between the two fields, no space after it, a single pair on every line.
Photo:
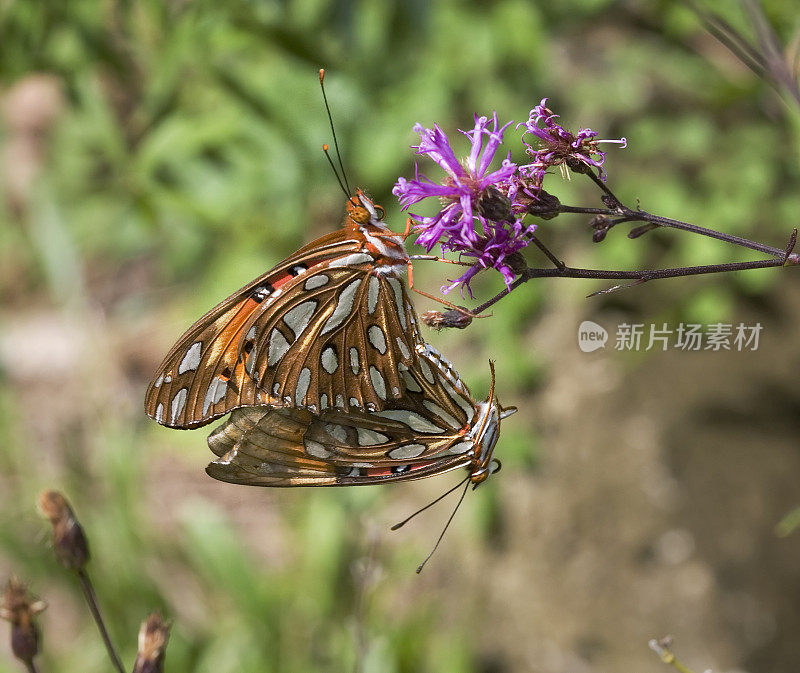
[453,318]
[19,608]
[69,540]
[546,205]
[153,638]
[494,205]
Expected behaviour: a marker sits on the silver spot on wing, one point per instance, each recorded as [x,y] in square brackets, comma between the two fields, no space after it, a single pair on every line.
[370,437]
[191,360]
[329,360]
[377,339]
[411,382]
[412,419]
[457,449]
[378,382]
[336,431]
[343,307]
[354,363]
[216,391]
[297,318]
[372,296]
[403,348]
[303,381]
[315,449]
[178,404]
[277,347]
[316,281]
[407,451]
[441,413]
[351,260]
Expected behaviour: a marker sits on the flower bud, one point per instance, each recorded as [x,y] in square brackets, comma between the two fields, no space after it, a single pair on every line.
[545,206]
[494,205]
[516,262]
[601,224]
[19,608]
[153,638]
[439,320]
[69,541]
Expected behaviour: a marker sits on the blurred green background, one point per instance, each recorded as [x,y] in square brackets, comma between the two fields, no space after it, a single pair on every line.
[155,156]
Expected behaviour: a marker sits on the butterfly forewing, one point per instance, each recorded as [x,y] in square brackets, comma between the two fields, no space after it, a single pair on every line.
[330,326]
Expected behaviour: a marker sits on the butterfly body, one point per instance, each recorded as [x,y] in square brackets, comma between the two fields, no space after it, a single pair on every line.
[328,327]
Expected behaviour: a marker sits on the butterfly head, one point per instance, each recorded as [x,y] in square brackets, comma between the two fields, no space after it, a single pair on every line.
[365,220]
[361,211]
[485,433]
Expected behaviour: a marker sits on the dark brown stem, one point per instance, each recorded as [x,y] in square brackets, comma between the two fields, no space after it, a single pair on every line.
[628,215]
[94,608]
[637,277]
[623,213]
[30,664]
[548,253]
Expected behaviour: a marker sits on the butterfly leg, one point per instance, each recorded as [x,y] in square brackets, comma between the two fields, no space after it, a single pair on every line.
[450,305]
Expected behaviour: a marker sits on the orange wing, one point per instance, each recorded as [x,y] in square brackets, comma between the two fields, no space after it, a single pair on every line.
[325,328]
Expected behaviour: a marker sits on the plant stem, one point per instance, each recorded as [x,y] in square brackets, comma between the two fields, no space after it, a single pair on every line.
[626,215]
[30,664]
[619,210]
[94,608]
[637,276]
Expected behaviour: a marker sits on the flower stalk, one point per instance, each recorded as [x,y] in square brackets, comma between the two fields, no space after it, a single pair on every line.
[72,551]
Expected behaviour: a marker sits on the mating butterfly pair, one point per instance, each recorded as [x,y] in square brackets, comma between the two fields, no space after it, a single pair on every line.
[326,377]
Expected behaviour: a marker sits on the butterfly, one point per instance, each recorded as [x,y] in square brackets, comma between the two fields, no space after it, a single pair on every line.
[330,327]
[435,428]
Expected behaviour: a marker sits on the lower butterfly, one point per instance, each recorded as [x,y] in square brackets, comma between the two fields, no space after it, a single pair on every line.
[435,428]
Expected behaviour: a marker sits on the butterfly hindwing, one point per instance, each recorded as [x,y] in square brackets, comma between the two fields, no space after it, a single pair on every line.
[352,334]
[424,433]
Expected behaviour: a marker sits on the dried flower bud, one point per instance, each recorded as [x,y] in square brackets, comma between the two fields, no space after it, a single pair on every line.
[643,229]
[153,638]
[516,262]
[610,201]
[19,608]
[69,541]
[439,320]
[601,224]
[545,206]
[494,205]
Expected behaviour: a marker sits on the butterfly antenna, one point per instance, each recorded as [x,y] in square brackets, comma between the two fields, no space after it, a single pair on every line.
[430,504]
[333,131]
[335,172]
[444,530]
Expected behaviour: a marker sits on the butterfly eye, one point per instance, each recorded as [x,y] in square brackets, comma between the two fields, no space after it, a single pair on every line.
[380,212]
[360,214]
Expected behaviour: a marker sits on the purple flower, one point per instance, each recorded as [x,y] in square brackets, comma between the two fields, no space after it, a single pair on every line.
[469,194]
[557,145]
[493,249]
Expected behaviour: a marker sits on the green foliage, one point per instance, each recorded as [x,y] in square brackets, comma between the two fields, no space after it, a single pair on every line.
[185,159]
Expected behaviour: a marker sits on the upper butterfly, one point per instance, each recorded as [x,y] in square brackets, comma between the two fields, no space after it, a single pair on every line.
[328,327]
